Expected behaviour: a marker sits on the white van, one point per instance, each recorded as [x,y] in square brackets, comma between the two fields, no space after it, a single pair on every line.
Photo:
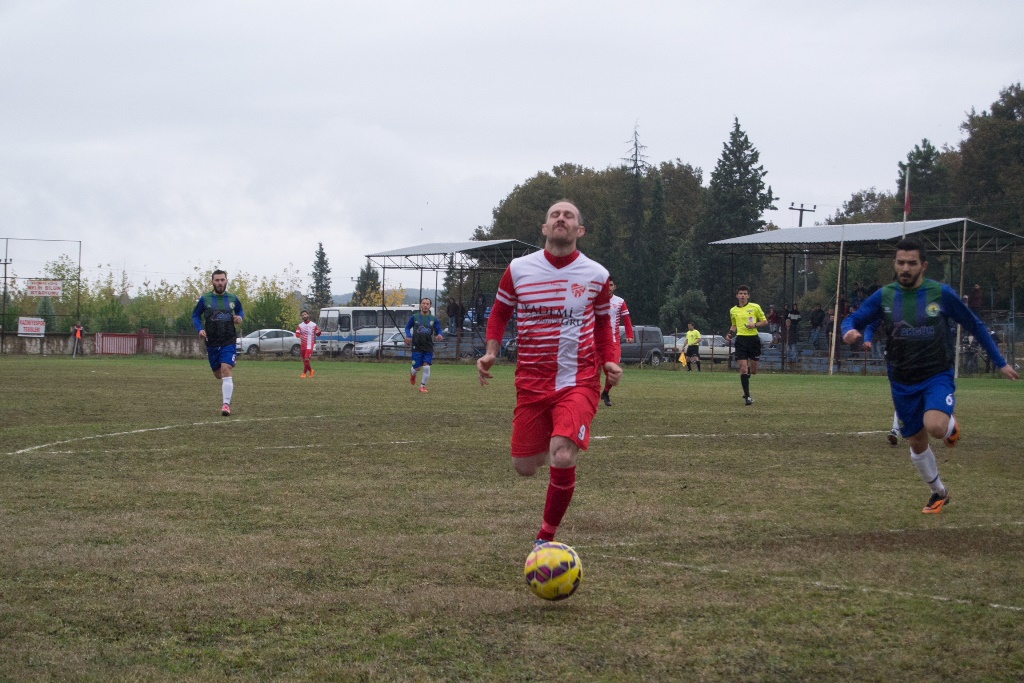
[343,327]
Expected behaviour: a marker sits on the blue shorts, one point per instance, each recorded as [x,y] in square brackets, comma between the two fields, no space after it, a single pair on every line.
[221,355]
[913,400]
[421,358]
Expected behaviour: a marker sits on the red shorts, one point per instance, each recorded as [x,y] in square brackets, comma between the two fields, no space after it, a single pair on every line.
[567,412]
[307,353]
[617,353]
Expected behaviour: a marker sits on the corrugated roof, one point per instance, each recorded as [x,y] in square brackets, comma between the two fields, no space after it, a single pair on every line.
[473,254]
[941,234]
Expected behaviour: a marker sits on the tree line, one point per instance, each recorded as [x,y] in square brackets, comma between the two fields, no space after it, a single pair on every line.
[649,223]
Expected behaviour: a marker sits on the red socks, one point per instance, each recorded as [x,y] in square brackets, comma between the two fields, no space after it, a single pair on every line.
[560,490]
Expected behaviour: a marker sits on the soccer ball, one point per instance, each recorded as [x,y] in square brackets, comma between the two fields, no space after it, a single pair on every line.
[553,570]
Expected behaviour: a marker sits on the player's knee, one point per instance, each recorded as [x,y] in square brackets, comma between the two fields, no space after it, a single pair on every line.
[526,467]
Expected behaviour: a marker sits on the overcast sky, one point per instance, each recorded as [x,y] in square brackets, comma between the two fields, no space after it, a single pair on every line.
[169,135]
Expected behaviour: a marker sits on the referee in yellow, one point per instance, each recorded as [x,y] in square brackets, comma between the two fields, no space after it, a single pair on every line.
[692,352]
[746,318]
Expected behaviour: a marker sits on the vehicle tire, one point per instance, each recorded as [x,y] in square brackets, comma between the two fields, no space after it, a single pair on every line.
[252,350]
[348,351]
[655,359]
[296,349]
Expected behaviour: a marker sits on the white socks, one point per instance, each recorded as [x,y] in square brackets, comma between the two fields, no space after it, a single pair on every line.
[895,422]
[950,428]
[426,374]
[928,469]
[227,387]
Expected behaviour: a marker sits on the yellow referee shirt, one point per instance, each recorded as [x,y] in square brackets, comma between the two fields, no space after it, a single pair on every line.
[743,315]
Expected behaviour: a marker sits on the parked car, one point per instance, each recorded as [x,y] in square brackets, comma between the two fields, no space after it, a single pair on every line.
[714,347]
[648,345]
[268,341]
[394,341]
[674,346]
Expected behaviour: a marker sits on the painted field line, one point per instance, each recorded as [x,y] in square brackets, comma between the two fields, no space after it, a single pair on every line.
[161,429]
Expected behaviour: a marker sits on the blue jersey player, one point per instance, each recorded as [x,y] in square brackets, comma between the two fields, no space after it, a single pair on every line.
[420,332]
[215,316]
[918,317]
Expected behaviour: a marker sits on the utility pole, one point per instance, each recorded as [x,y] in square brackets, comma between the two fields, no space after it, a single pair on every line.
[3,315]
[800,224]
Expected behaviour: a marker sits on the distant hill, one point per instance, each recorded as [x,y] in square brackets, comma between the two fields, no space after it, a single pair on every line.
[411,296]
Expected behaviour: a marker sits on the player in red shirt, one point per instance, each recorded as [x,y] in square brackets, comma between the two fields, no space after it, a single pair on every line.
[308,331]
[561,301]
[619,315]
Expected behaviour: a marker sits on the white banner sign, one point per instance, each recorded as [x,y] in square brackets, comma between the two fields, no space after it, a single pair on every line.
[31,327]
[45,288]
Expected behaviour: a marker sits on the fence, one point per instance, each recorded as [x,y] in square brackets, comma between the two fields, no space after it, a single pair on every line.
[123,344]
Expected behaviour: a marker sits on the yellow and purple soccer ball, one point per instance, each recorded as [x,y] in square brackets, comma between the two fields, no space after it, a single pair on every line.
[553,570]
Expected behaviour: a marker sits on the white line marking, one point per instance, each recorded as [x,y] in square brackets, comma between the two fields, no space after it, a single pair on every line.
[164,428]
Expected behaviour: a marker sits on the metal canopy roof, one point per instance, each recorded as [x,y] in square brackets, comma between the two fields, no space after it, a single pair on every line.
[472,255]
[872,239]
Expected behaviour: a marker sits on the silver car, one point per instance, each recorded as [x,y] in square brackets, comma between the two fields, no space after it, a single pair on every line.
[394,345]
[269,341]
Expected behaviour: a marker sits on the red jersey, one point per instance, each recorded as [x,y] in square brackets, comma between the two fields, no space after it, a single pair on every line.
[562,313]
[620,316]
[308,332]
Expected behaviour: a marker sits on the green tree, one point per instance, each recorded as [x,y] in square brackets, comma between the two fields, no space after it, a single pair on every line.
[266,309]
[931,178]
[735,203]
[320,289]
[867,206]
[367,291]
[991,177]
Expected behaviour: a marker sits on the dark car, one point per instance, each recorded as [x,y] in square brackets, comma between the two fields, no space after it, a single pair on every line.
[647,345]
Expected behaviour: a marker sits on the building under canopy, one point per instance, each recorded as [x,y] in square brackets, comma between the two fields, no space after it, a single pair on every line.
[466,260]
[955,237]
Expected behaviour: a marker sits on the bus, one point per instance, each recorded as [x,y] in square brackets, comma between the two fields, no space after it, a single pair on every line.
[343,327]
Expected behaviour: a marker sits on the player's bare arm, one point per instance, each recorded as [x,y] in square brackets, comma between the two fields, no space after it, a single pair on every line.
[486,361]
[613,373]
[1009,372]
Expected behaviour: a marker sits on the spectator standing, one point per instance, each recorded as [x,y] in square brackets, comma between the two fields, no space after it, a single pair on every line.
[561,299]
[793,337]
[817,323]
[480,310]
[774,326]
[76,336]
[453,315]
[974,298]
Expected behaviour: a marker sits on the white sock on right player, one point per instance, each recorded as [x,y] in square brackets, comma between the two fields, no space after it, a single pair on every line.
[928,469]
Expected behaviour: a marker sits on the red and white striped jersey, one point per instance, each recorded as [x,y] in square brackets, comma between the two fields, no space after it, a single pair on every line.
[558,303]
[308,332]
[620,316]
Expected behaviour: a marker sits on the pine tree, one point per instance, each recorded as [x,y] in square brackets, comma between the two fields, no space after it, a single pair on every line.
[367,287]
[736,200]
[320,289]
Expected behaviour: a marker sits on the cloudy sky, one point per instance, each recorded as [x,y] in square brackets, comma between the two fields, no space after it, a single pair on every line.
[169,135]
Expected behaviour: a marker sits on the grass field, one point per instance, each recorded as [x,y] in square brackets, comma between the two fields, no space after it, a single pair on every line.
[351,528]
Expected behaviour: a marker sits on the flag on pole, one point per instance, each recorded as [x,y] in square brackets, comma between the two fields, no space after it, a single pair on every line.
[906,199]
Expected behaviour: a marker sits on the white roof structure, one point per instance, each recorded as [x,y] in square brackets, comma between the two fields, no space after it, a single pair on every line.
[480,255]
[872,239]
